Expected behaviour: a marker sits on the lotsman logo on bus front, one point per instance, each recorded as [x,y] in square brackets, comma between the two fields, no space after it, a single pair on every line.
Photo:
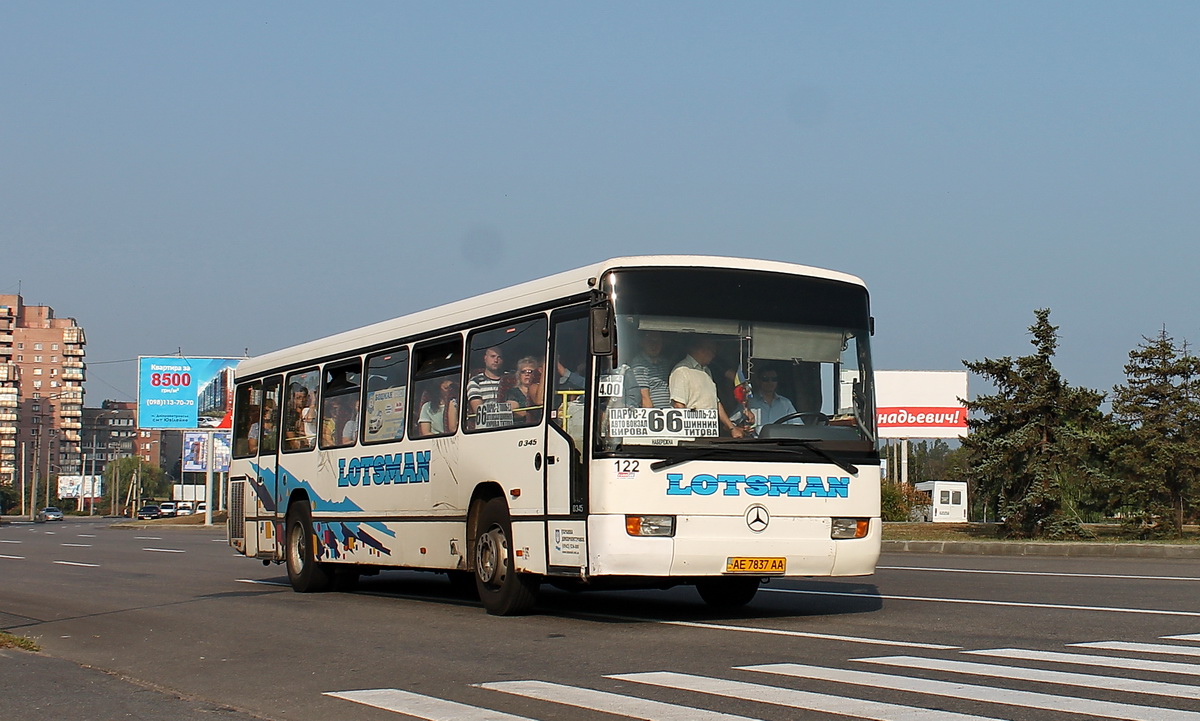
[731,484]
[384,470]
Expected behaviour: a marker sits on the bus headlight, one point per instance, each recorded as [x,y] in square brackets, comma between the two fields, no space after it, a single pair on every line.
[650,525]
[850,527]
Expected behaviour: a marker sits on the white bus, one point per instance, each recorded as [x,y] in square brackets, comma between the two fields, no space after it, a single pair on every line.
[640,422]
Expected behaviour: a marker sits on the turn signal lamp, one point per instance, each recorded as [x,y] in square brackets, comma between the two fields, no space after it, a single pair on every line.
[650,525]
[850,527]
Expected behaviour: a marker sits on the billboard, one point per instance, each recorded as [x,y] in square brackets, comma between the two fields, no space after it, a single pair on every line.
[196,453]
[80,487]
[185,393]
[921,404]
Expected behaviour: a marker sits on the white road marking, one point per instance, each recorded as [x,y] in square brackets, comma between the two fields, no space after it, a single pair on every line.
[631,706]
[262,583]
[164,550]
[984,602]
[87,535]
[147,538]
[1040,573]
[423,707]
[1114,683]
[15,558]
[1083,659]
[988,694]
[807,634]
[1183,637]
[73,563]
[823,703]
[77,545]
[5,540]
[1162,648]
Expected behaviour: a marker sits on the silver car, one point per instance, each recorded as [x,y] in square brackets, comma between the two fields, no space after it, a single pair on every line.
[49,513]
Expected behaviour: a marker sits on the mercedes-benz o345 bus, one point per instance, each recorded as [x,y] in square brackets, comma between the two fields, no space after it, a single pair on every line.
[640,422]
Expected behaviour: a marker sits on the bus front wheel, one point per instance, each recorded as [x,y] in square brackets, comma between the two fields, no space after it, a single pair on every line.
[727,594]
[304,573]
[503,590]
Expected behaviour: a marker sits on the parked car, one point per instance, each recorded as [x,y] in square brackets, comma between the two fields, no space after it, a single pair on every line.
[49,513]
[201,507]
[183,509]
[167,509]
[149,512]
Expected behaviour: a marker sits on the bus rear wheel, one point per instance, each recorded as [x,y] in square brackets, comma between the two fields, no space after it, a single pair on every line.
[502,589]
[728,594]
[304,573]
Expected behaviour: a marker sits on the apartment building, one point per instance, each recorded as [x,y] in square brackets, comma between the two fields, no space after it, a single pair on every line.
[41,391]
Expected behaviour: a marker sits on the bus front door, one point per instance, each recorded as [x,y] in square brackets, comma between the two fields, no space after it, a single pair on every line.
[267,524]
[567,403]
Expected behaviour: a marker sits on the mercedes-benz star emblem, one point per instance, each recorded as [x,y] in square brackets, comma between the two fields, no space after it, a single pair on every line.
[757,518]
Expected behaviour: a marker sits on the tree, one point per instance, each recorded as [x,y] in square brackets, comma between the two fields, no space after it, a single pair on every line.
[1035,445]
[1158,443]
[151,477]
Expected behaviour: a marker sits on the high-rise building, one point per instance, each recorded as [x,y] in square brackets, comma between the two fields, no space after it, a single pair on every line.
[109,432]
[41,391]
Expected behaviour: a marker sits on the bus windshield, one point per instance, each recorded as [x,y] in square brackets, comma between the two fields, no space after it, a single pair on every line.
[724,360]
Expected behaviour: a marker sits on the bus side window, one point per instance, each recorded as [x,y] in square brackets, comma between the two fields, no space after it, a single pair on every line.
[387,391]
[247,420]
[300,411]
[268,442]
[506,384]
[437,374]
[340,404]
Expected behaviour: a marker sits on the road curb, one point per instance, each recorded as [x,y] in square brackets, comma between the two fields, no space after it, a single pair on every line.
[1025,548]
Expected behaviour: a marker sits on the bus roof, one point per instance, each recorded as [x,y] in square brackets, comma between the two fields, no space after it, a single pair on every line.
[523,295]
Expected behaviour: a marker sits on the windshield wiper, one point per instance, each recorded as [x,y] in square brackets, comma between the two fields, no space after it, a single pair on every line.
[780,444]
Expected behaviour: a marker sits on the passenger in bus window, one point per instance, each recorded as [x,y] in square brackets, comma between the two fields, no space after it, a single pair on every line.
[439,414]
[268,430]
[255,429]
[525,397]
[652,371]
[692,385]
[350,425]
[483,392]
[302,431]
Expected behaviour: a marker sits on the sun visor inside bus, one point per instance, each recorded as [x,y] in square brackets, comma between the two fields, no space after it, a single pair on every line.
[780,342]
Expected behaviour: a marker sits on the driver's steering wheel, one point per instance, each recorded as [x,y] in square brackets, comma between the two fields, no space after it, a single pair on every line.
[810,418]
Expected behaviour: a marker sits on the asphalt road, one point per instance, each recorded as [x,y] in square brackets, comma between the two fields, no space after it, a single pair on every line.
[168,623]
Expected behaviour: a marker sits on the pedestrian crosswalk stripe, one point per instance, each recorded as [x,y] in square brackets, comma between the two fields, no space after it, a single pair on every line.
[989,694]
[817,702]
[1163,648]
[1083,659]
[1113,683]
[423,707]
[631,706]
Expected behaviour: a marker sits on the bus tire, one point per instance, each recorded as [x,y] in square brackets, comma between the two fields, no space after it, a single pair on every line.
[503,591]
[728,594]
[304,572]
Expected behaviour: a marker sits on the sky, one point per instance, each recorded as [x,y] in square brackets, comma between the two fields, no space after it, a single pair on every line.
[216,178]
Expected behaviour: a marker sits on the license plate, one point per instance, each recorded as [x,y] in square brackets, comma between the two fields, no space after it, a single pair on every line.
[742,564]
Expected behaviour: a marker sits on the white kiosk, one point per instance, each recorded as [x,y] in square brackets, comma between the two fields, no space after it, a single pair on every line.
[947,501]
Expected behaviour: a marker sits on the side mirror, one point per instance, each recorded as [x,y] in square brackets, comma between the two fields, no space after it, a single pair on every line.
[603,329]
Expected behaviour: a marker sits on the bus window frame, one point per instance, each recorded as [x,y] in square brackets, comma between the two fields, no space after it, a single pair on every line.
[328,396]
[366,391]
[286,416]
[468,350]
[454,343]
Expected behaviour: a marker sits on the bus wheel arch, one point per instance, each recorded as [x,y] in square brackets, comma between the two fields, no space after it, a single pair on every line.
[503,590]
[305,573]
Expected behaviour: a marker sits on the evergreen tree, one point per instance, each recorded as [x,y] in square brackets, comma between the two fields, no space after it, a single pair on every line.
[1034,446]
[1158,447]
